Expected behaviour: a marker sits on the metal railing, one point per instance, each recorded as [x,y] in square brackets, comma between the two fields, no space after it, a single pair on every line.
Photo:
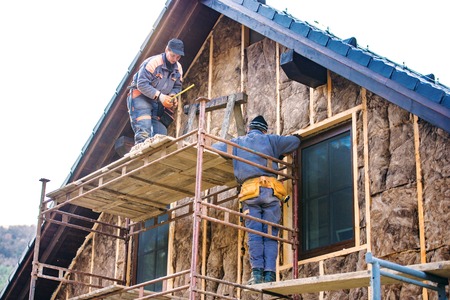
[407,275]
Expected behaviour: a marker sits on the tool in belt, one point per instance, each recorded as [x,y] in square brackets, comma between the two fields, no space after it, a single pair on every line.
[250,188]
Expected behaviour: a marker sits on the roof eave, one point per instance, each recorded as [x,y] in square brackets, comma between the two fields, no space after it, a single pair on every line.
[392,91]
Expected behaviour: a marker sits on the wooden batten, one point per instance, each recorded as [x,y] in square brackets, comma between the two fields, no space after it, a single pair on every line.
[277,85]
[210,77]
[311,106]
[327,123]
[368,199]
[355,180]
[329,88]
[419,186]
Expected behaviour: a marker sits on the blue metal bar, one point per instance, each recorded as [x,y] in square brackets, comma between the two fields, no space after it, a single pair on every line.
[409,271]
[441,292]
[408,280]
[375,281]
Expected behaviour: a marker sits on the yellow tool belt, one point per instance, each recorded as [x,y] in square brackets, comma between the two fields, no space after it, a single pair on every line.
[250,188]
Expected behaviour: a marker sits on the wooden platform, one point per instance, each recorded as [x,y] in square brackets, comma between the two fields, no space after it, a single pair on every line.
[291,287]
[144,182]
[115,292]
[345,280]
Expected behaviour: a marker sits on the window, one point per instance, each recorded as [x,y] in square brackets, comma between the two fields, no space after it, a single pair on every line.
[326,189]
[152,253]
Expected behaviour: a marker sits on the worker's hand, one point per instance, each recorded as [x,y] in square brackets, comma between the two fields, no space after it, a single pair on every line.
[174,100]
[166,100]
[297,136]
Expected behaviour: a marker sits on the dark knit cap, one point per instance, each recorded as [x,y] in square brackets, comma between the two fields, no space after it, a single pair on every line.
[176,46]
[259,123]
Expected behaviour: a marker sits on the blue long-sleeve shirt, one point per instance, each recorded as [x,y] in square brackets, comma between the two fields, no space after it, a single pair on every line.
[268,144]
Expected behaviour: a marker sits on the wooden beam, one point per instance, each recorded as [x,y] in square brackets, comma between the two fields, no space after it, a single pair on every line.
[329,89]
[368,200]
[227,116]
[327,123]
[319,283]
[420,210]
[218,103]
[239,119]
[311,106]
[356,214]
[277,87]
[210,79]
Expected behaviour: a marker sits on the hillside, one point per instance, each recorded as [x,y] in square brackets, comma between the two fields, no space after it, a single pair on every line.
[13,242]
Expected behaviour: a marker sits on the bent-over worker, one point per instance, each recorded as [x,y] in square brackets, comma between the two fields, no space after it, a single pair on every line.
[150,103]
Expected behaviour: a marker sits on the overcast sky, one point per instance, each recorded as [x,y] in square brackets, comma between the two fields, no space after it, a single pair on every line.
[61,62]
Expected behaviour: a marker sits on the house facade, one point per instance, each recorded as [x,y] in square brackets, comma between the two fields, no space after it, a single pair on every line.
[372,173]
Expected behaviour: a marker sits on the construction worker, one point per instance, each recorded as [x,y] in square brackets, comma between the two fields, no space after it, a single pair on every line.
[260,192]
[150,103]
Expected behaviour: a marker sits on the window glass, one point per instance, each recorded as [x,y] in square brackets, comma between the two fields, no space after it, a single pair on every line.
[326,204]
[152,254]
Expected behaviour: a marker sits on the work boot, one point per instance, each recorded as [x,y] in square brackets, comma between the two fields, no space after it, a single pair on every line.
[257,276]
[269,276]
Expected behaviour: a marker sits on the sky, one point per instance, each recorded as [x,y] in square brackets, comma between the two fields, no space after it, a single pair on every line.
[61,62]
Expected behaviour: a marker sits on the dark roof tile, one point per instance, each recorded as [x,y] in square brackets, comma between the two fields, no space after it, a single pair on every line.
[283,19]
[359,56]
[351,41]
[338,46]
[300,28]
[319,37]
[266,11]
[403,78]
[381,67]
[251,4]
[446,101]
[429,91]
[429,77]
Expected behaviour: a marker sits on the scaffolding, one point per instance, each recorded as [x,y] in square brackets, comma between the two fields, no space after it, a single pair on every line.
[142,184]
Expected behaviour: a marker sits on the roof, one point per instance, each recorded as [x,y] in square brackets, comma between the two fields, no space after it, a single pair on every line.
[413,92]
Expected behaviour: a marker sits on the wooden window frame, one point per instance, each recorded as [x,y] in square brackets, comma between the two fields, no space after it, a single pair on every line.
[319,137]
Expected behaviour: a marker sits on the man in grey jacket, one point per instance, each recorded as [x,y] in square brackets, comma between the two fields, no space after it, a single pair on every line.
[261,192]
[150,103]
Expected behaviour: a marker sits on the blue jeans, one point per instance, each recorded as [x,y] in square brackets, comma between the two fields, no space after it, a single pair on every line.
[143,118]
[263,251]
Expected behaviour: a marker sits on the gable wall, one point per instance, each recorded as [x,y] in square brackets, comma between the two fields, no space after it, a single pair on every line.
[388,203]
[385,164]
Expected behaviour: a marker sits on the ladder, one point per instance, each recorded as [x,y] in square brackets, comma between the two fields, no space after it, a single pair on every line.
[232,104]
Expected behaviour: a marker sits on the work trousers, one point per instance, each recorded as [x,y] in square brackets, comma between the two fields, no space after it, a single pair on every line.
[263,250]
[143,118]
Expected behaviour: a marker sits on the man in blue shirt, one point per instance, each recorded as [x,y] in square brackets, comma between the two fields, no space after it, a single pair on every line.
[261,192]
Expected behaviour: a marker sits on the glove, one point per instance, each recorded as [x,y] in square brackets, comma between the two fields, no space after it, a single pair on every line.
[165,100]
[174,102]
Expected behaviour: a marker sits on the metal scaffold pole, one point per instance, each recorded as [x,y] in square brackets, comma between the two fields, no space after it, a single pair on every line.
[198,196]
[34,272]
